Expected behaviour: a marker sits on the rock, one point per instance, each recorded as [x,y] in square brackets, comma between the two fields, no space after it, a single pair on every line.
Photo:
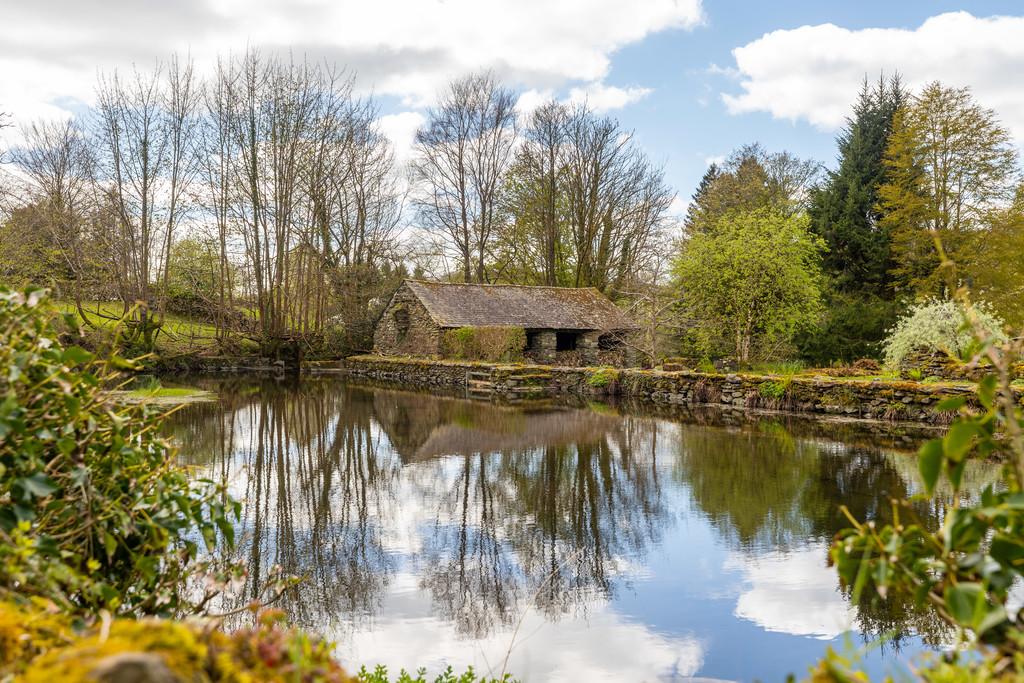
[134,667]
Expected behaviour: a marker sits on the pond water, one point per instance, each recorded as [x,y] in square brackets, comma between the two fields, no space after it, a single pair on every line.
[558,543]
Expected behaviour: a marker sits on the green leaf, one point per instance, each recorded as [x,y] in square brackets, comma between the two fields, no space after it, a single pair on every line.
[862,575]
[36,486]
[957,441]
[951,404]
[76,355]
[929,462]
[962,601]
[990,618]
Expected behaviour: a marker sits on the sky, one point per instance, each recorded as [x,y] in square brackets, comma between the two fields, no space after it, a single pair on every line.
[694,79]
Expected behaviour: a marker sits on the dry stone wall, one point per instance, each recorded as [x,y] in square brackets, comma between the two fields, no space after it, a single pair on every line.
[874,400]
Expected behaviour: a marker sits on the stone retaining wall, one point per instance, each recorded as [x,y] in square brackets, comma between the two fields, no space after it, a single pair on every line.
[866,399]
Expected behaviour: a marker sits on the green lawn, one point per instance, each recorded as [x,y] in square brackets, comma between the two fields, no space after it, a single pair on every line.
[178,334]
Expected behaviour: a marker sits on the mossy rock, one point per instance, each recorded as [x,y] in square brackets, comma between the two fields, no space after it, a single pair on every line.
[39,645]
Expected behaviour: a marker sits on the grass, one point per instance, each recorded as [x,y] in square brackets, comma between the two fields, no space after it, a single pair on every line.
[165,392]
[149,389]
[778,368]
[178,334]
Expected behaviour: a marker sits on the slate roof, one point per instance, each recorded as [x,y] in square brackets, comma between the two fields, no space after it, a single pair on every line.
[557,308]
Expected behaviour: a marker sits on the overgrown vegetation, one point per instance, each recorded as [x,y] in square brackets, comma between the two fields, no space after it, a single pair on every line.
[94,511]
[602,378]
[42,646]
[965,568]
[751,281]
[485,343]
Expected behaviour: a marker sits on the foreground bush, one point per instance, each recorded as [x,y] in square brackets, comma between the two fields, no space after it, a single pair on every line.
[964,570]
[491,344]
[94,511]
[937,325]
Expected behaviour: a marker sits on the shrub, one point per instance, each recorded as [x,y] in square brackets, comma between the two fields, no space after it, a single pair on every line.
[852,326]
[602,377]
[485,343]
[380,675]
[936,325]
[773,390]
[94,511]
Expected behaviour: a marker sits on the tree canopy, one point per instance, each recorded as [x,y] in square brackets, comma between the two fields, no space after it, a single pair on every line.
[752,281]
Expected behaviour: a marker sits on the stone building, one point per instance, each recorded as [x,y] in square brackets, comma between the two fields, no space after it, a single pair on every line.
[562,324]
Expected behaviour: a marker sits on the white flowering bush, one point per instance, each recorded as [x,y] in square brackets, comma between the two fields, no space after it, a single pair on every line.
[938,325]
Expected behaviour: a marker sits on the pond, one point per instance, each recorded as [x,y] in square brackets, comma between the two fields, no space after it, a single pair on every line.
[556,542]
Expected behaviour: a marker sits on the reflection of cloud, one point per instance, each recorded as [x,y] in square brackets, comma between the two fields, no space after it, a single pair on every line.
[603,646]
[793,592]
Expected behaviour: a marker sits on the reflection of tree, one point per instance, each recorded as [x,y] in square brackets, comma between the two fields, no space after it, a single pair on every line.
[316,492]
[754,486]
[765,490]
[543,526]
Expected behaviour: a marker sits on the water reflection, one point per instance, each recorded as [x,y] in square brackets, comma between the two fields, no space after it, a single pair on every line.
[435,530]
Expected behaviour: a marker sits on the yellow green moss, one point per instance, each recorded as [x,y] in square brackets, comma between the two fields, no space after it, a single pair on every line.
[37,645]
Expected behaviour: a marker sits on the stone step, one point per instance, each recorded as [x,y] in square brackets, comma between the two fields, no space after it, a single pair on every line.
[532,375]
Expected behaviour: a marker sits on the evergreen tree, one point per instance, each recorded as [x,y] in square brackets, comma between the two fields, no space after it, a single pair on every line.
[701,199]
[750,179]
[845,211]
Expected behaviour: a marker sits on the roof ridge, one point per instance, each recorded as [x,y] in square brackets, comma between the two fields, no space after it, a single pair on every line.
[493,284]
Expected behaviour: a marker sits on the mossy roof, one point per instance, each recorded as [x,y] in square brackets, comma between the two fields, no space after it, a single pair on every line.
[552,308]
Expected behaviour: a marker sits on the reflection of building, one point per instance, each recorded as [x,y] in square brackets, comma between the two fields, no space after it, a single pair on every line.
[554,318]
[420,429]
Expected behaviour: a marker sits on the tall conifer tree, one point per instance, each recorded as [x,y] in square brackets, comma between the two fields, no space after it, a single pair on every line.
[845,211]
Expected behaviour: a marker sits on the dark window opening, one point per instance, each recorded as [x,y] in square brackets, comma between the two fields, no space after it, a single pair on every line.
[401,323]
[565,341]
[532,340]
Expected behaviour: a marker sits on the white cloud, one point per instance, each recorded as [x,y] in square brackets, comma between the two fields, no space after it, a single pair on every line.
[813,72]
[601,97]
[600,645]
[50,51]
[677,209]
[531,99]
[401,128]
[777,581]
[717,159]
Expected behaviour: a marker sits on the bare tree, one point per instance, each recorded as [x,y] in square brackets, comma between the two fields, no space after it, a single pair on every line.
[533,206]
[146,150]
[616,201]
[462,155]
[56,162]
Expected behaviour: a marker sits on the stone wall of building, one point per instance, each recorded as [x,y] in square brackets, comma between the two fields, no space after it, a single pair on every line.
[406,329]
[874,400]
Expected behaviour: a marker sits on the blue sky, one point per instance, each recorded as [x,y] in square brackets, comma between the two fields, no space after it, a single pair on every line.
[693,78]
[684,120]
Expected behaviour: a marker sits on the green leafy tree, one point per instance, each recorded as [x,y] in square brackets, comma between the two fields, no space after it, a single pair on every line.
[193,277]
[844,211]
[950,164]
[755,278]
